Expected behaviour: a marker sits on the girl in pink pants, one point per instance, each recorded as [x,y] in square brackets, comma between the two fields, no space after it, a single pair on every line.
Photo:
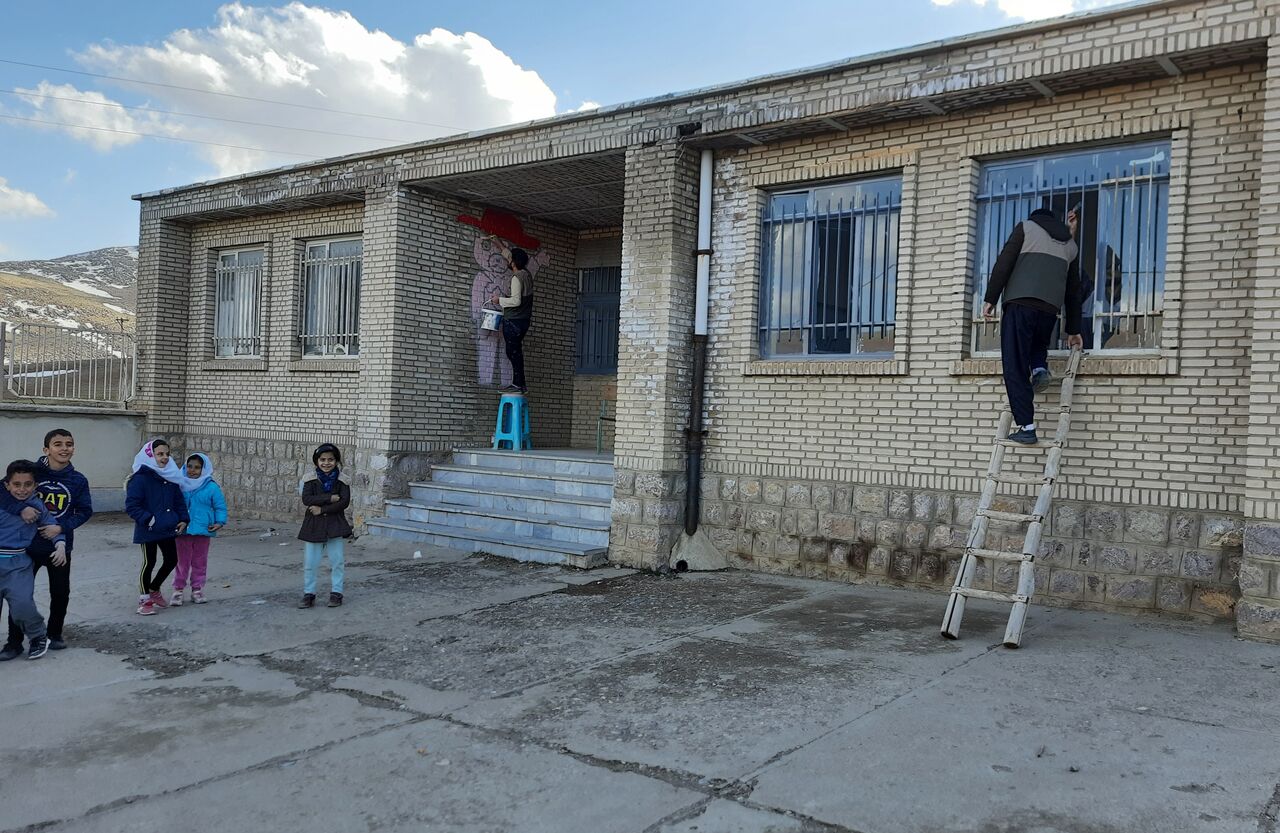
[208,510]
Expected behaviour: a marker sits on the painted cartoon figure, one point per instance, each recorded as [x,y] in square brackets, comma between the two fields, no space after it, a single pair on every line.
[494,278]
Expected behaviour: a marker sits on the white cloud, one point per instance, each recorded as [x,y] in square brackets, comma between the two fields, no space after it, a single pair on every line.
[1036,9]
[70,176]
[104,123]
[21,205]
[305,55]
[586,106]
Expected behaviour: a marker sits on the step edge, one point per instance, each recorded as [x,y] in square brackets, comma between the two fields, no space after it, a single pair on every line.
[567,547]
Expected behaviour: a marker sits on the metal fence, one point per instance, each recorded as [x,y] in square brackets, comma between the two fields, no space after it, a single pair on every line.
[1121,196]
[46,362]
[829,270]
[331,275]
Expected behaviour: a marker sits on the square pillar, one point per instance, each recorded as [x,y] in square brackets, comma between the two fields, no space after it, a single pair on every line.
[163,316]
[659,235]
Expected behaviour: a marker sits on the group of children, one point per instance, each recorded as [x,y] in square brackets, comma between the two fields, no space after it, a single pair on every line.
[176,511]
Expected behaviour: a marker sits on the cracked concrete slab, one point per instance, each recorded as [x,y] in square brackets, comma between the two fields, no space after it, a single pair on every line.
[428,776]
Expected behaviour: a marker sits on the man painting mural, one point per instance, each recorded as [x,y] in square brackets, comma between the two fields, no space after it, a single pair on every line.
[1036,275]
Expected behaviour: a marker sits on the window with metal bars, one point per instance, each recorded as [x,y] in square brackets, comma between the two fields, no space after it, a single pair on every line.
[829,269]
[331,298]
[1121,196]
[237,298]
[596,339]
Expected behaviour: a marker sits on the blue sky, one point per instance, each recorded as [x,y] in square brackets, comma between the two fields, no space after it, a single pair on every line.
[398,71]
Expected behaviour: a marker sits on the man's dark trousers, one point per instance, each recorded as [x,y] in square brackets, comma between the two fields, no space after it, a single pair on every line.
[1024,345]
[59,595]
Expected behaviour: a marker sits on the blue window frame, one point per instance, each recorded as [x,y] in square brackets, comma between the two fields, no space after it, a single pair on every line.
[1121,194]
[829,269]
[596,348]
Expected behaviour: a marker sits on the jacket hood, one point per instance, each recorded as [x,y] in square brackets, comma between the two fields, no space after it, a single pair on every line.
[1045,219]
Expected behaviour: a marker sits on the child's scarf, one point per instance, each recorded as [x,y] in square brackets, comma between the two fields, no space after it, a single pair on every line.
[191,484]
[146,459]
[327,480]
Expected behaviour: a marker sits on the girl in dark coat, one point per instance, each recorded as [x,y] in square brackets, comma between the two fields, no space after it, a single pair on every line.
[159,511]
[326,498]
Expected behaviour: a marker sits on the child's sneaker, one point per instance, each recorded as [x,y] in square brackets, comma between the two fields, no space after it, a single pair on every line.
[308,600]
[145,607]
[157,599]
[335,600]
[10,652]
[197,596]
[176,599]
[39,647]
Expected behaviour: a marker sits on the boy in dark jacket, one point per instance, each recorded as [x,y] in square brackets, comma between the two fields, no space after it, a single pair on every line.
[65,493]
[326,498]
[21,514]
[1036,275]
[159,511]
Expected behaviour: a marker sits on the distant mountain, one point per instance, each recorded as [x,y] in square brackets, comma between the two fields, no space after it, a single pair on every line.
[90,290]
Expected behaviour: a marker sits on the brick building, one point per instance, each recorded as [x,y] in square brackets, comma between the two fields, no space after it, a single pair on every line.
[850,394]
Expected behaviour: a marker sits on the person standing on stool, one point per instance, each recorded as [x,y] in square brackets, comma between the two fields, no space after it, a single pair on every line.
[1036,275]
[517,315]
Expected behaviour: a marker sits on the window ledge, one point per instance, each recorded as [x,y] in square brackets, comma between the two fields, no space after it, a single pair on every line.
[234,364]
[841,367]
[1092,365]
[325,365]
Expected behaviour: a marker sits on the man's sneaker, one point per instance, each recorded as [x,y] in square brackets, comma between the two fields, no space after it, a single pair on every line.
[197,596]
[39,647]
[1025,436]
[146,608]
[57,644]
[308,600]
[335,600]
[176,599]
[157,599]
[1041,378]
[515,389]
[10,652]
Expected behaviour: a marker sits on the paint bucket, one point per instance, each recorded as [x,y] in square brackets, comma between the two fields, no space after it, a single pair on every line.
[492,320]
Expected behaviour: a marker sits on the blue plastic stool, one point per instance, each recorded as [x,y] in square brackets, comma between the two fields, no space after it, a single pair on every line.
[512,430]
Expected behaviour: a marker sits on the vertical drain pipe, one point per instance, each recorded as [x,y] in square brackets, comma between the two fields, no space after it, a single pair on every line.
[694,434]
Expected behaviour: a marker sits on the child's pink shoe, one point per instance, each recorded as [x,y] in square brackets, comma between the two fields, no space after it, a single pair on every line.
[176,599]
[157,599]
[145,607]
[197,596]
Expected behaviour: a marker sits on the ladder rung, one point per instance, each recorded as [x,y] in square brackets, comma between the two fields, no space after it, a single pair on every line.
[1047,409]
[1000,555]
[1013,517]
[1037,444]
[1019,480]
[991,595]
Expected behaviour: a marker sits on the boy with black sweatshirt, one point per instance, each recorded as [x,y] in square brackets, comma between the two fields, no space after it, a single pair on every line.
[65,494]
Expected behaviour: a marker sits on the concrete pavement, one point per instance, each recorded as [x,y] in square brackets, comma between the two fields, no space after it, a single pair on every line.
[459,693]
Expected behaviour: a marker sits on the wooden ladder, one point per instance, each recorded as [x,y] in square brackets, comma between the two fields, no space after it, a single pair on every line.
[975,546]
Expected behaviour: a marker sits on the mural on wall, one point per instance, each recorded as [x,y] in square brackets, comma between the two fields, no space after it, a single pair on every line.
[499,229]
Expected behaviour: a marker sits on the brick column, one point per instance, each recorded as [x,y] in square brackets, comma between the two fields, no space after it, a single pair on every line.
[164,331]
[659,234]
[1258,612]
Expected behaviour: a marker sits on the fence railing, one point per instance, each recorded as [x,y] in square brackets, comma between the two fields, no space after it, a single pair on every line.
[50,363]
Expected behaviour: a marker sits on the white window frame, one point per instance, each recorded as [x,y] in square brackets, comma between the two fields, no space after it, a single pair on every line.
[334,285]
[237,330]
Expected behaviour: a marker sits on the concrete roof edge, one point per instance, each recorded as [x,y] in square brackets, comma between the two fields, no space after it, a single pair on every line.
[844,64]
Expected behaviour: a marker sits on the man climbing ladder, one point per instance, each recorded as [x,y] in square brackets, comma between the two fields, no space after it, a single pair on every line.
[1038,274]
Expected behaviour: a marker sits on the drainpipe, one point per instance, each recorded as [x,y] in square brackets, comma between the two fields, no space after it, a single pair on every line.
[694,434]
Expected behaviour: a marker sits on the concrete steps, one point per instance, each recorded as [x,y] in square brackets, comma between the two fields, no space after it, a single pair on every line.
[544,507]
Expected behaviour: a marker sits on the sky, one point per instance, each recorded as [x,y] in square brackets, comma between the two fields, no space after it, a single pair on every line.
[100,101]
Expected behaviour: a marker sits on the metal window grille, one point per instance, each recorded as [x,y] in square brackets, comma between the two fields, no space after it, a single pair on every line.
[829,270]
[237,288]
[331,298]
[1121,195]
[599,291]
[45,362]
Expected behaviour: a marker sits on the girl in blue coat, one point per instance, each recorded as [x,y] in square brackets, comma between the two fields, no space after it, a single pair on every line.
[207,509]
[159,514]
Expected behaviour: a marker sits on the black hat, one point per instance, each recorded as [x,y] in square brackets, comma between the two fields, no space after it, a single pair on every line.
[330,448]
